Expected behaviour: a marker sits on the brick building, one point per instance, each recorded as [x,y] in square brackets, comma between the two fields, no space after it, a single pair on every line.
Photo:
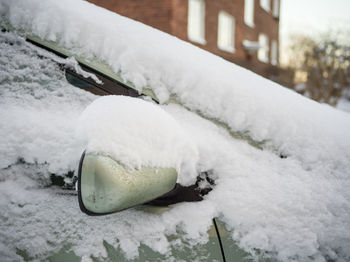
[242,31]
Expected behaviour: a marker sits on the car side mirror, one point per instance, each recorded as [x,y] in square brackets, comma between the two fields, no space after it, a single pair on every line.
[105,186]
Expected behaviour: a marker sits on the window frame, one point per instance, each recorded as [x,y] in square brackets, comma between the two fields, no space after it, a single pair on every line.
[232,29]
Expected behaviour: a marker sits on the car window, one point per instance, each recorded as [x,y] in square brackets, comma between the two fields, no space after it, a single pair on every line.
[78,81]
[109,85]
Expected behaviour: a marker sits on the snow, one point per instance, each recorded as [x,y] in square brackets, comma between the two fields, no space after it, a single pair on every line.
[138,133]
[37,122]
[294,208]
[344,104]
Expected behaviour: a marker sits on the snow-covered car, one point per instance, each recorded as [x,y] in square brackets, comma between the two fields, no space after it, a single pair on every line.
[211,250]
[278,161]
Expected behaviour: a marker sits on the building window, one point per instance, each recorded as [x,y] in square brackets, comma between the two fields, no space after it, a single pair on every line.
[265,4]
[276,8]
[226,32]
[274,52]
[196,21]
[263,53]
[249,12]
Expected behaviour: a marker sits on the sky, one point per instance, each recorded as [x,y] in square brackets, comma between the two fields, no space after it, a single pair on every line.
[312,17]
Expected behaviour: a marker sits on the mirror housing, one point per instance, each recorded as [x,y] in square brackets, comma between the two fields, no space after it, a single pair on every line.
[105,186]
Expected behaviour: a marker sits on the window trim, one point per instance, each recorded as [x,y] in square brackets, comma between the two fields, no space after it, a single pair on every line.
[231,48]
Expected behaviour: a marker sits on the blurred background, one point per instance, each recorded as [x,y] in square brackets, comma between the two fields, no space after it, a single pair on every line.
[301,44]
[315,49]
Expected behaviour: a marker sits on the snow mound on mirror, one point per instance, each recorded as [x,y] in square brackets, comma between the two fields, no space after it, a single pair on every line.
[138,133]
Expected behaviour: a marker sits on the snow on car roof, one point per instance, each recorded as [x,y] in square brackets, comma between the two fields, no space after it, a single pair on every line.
[290,208]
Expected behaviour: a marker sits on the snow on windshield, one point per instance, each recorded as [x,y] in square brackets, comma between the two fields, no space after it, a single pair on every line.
[291,208]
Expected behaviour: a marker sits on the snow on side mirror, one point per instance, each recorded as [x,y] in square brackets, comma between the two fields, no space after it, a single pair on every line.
[135,152]
[105,186]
